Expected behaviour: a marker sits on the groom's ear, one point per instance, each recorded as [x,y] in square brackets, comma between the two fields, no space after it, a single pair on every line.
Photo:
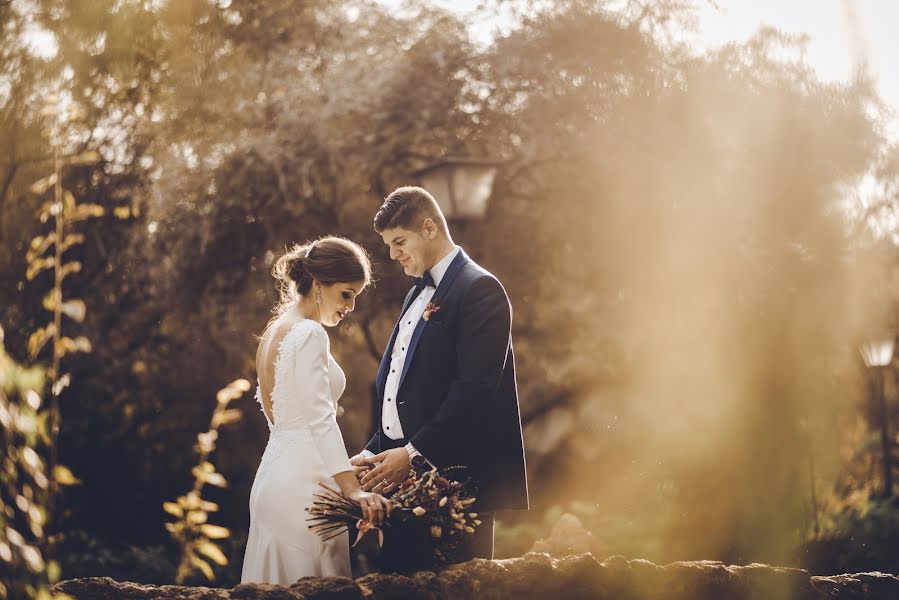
[430,228]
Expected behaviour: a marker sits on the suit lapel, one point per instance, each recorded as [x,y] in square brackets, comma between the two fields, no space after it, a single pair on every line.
[381,380]
[445,283]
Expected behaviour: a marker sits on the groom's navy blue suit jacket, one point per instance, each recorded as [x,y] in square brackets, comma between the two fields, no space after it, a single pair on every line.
[457,399]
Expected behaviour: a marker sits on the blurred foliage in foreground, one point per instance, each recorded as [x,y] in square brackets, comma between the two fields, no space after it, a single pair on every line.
[681,236]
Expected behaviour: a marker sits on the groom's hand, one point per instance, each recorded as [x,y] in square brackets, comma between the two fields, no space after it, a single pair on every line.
[392,468]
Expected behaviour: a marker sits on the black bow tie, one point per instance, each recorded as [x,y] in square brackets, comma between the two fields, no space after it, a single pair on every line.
[424,281]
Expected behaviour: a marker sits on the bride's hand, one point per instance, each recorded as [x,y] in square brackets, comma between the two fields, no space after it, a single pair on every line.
[375,507]
[360,466]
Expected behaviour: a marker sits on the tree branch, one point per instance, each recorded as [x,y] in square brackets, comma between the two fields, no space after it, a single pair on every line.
[370,341]
[563,398]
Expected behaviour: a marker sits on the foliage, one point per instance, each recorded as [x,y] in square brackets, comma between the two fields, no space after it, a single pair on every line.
[670,228]
[24,483]
[191,529]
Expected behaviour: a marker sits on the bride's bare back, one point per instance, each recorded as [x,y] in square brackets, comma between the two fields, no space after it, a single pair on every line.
[267,356]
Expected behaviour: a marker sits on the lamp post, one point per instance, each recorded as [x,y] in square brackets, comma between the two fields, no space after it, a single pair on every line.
[461,185]
[878,354]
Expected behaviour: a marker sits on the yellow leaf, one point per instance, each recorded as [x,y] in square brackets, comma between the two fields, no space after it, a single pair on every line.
[216,479]
[64,476]
[191,500]
[69,268]
[208,506]
[39,245]
[50,299]
[203,566]
[212,551]
[68,199]
[197,517]
[86,211]
[79,344]
[214,532]
[62,383]
[71,240]
[75,310]
[241,385]
[226,395]
[43,594]
[121,212]
[76,112]
[45,211]
[53,571]
[39,338]
[231,415]
[85,158]
[173,509]
[42,185]
[38,265]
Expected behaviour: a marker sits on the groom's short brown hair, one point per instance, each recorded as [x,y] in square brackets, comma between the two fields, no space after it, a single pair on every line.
[408,207]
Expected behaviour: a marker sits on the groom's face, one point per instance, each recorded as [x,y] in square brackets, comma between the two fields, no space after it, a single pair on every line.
[412,249]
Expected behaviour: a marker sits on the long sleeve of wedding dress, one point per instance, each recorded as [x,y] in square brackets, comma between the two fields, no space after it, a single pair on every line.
[317,406]
[305,447]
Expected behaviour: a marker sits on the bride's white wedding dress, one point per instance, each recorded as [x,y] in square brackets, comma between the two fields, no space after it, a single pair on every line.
[305,447]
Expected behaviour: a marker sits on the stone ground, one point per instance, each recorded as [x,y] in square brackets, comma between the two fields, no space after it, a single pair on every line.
[536,575]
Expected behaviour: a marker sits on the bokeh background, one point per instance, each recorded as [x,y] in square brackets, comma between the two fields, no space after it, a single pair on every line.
[696,239]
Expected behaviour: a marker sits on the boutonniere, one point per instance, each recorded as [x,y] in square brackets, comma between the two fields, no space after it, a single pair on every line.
[430,309]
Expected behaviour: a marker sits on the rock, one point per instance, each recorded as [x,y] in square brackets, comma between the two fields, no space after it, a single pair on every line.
[568,536]
[535,575]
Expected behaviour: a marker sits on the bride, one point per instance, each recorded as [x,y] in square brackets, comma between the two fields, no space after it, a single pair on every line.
[299,384]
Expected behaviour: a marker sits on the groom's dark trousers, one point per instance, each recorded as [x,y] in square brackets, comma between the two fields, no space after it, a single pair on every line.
[457,399]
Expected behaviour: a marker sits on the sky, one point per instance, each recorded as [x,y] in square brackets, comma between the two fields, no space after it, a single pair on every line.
[841,33]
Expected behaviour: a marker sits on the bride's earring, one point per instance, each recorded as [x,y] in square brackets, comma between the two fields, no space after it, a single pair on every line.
[318,296]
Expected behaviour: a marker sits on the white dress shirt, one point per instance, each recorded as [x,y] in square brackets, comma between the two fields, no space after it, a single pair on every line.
[390,418]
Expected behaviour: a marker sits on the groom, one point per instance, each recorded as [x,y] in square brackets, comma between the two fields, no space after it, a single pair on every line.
[446,384]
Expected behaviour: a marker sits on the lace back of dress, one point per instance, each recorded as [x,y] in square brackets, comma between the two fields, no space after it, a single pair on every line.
[282,392]
[258,397]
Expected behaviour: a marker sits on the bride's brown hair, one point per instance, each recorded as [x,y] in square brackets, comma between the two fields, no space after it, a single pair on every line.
[327,260]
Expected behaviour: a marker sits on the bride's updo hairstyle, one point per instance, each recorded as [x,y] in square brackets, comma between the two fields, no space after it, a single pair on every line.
[328,260]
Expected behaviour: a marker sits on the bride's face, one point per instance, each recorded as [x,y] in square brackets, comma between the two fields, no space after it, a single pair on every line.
[338,300]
